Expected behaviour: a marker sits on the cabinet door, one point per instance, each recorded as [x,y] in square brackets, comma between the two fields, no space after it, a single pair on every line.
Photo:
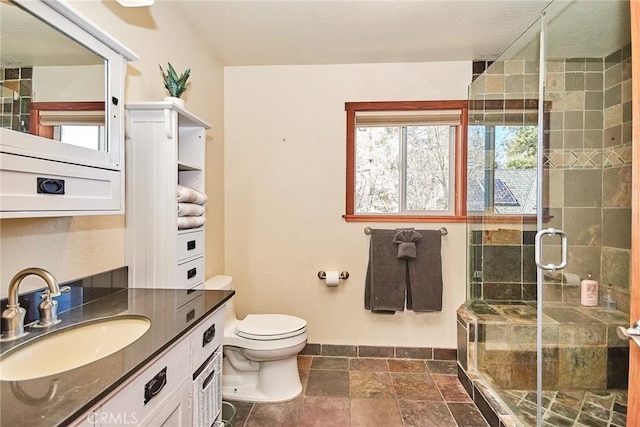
[79,178]
[174,410]
[32,187]
[144,395]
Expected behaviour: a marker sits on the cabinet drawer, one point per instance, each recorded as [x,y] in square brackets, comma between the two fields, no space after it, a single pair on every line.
[42,186]
[190,245]
[207,336]
[190,273]
[190,311]
[174,411]
[142,396]
[184,296]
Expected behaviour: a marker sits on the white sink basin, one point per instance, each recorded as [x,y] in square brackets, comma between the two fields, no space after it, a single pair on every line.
[71,347]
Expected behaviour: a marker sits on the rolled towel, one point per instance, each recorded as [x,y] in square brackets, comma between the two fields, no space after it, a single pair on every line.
[185,222]
[190,209]
[190,195]
[406,238]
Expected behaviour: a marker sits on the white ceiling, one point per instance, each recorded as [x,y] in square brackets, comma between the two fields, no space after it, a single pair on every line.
[301,32]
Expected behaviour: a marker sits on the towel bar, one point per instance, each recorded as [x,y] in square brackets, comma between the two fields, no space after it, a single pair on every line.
[443,231]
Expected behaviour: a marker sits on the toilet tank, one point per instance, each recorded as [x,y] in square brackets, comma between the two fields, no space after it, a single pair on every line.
[222,283]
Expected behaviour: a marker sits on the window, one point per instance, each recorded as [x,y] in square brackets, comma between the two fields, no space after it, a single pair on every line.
[83,136]
[76,123]
[502,157]
[406,161]
[505,155]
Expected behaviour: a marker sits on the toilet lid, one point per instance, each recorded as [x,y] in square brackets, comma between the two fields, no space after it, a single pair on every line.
[270,326]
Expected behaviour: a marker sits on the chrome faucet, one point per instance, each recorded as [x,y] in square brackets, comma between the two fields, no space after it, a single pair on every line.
[13,315]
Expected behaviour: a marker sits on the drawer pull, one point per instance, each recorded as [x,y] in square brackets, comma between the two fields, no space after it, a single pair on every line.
[192,273]
[208,380]
[50,186]
[191,315]
[153,387]
[191,245]
[208,335]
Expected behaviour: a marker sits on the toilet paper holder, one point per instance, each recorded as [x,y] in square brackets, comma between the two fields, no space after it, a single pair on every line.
[344,275]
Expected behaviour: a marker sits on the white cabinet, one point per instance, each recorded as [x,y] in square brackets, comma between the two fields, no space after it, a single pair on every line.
[175,389]
[174,411]
[40,176]
[165,146]
[146,396]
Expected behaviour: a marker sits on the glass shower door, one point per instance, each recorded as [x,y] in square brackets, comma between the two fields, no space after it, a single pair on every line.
[502,198]
[584,213]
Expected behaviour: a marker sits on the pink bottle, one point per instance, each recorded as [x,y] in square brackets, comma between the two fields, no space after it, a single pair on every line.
[589,292]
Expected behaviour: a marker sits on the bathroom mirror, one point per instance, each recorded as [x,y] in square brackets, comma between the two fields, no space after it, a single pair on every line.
[61,112]
[43,66]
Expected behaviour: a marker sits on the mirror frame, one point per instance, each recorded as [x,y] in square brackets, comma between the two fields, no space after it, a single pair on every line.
[68,21]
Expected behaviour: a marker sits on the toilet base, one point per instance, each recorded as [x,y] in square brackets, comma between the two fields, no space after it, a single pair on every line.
[273,381]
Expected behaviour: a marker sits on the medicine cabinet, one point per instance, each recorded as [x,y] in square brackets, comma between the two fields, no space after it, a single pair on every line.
[62,112]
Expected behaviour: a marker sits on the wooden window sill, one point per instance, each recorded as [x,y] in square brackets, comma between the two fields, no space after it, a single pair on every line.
[405,218]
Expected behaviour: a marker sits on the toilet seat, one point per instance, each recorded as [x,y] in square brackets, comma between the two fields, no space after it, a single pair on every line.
[270,326]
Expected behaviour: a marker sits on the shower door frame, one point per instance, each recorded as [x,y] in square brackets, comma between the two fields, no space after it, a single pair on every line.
[633,404]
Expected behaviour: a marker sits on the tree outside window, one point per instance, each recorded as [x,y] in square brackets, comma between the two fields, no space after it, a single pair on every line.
[404,161]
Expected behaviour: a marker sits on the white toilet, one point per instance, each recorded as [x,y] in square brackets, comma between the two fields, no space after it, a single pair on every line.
[260,353]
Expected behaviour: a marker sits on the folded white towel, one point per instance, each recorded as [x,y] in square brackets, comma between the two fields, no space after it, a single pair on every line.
[190,195]
[190,209]
[185,222]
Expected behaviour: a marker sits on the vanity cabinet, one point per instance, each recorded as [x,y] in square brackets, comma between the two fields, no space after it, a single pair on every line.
[167,391]
[156,392]
[165,147]
[52,176]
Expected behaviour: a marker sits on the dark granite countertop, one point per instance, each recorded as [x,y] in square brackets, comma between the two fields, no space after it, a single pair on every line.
[59,399]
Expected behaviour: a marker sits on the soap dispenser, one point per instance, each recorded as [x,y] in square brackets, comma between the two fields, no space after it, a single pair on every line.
[589,292]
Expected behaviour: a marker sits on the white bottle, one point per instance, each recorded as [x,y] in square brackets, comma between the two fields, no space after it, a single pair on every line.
[589,292]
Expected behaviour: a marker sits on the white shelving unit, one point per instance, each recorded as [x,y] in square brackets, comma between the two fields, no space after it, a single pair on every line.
[165,146]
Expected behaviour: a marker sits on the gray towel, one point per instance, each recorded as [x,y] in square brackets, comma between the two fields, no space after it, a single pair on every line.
[406,238]
[385,285]
[424,292]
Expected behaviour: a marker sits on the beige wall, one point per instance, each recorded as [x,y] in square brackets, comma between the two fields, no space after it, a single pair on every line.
[284,163]
[285,196]
[71,248]
[67,84]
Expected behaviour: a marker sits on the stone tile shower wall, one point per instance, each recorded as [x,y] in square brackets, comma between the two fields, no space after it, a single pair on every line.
[588,165]
[505,258]
[588,170]
[15,98]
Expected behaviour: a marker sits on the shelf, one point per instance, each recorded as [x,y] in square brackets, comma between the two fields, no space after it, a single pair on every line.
[187,119]
[168,144]
[182,166]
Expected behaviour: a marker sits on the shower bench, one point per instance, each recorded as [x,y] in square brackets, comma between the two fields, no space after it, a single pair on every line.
[581,350]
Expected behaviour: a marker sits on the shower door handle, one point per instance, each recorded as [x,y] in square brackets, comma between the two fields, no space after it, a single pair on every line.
[632,333]
[538,249]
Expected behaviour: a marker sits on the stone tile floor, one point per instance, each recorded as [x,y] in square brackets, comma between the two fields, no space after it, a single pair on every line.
[350,392]
[605,408]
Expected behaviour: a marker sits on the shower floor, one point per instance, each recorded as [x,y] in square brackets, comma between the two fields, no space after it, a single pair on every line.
[607,408]
[584,363]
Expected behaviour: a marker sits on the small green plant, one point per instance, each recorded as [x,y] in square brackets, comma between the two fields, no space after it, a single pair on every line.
[174,84]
